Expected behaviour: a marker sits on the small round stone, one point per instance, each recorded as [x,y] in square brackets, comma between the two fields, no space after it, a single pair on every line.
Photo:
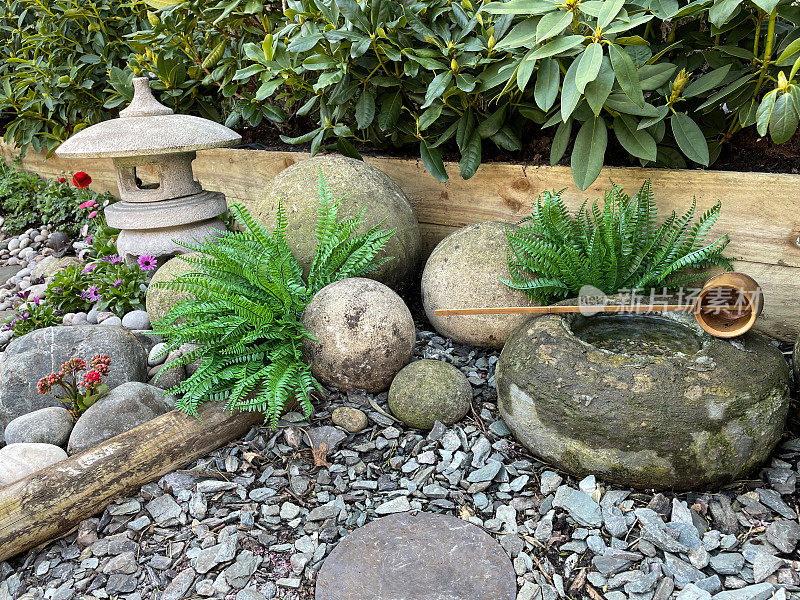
[363,334]
[153,359]
[136,320]
[464,271]
[351,419]
[427,391]
[20,460]
[50,425]
[410,555]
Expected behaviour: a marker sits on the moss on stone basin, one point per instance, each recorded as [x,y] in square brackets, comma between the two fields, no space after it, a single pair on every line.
[681,410]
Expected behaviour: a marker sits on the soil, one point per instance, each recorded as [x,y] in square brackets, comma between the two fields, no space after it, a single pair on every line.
[746,151]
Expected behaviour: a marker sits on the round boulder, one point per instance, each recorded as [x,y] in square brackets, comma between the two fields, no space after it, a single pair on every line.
[364,334]
[160,301]
[358,186]
[51,425]
[650,401]
[464,271]
[122,409]
[17,461]
[427,391]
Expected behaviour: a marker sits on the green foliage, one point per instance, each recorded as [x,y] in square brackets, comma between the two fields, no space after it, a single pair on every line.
[33,314]
[670,80]
[28,200]
[108,282]
[614,247]
[247,296]
[65,289]
[56,61]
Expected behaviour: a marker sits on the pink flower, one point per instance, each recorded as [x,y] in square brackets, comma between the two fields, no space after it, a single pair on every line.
[87,204]
[93,214]
[85,230]
[147,262]
[89,268]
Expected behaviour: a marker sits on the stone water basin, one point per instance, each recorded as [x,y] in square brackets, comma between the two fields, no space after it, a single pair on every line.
[649,400]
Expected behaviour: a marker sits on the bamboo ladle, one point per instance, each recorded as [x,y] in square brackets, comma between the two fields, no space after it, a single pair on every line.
[726,307]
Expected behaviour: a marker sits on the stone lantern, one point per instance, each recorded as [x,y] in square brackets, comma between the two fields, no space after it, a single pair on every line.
[150,138]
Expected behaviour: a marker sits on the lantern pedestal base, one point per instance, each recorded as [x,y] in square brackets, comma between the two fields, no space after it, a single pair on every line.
[161,243]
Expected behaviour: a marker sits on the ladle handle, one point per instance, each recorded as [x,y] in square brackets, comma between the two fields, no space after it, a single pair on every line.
[545,310]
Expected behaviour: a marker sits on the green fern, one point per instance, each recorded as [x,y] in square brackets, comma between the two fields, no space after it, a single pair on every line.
[616,246]
[246,298]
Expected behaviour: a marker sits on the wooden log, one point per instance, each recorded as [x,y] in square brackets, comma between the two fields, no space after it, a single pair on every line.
[761,211]
[51,502]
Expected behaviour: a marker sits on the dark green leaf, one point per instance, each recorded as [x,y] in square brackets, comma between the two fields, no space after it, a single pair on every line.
[437,87]
[523,34]
[560,141]
[491,124]
[664,9]
[470,156]
[637,142]
[545,90]
[721,11]
[652,77]
[390,111]
[552,24]
[597,91]
[609,10]
[784,119]
[764,112]
[589,152]
[569,93]
[432,159]
[589,67]
[556,46]
[625,72]
[365,109]
[707,82]
[690,138]
[507,139]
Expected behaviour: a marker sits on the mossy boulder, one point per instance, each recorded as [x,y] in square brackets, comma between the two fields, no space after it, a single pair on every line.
[464,271]
[427,391]
[682,420]
[160,301]
[359,186]
[363,335]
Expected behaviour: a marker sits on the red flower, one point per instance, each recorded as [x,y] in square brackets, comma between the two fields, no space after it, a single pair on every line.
[62,180]
[81,180]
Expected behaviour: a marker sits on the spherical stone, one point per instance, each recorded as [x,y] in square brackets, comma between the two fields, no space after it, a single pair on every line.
[364,334]
[50,425]
[359,186]
[417,557]
[160,301]
[700,414]
[136,320]
[427,391]
[351,419]
[464,271]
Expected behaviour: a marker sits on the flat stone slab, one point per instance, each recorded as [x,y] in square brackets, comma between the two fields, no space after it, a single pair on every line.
[420,556]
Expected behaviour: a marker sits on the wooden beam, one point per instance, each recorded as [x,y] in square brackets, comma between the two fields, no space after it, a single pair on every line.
[761,211]
[51,502]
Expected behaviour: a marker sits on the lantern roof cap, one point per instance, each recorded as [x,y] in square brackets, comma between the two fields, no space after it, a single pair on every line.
[146,128]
